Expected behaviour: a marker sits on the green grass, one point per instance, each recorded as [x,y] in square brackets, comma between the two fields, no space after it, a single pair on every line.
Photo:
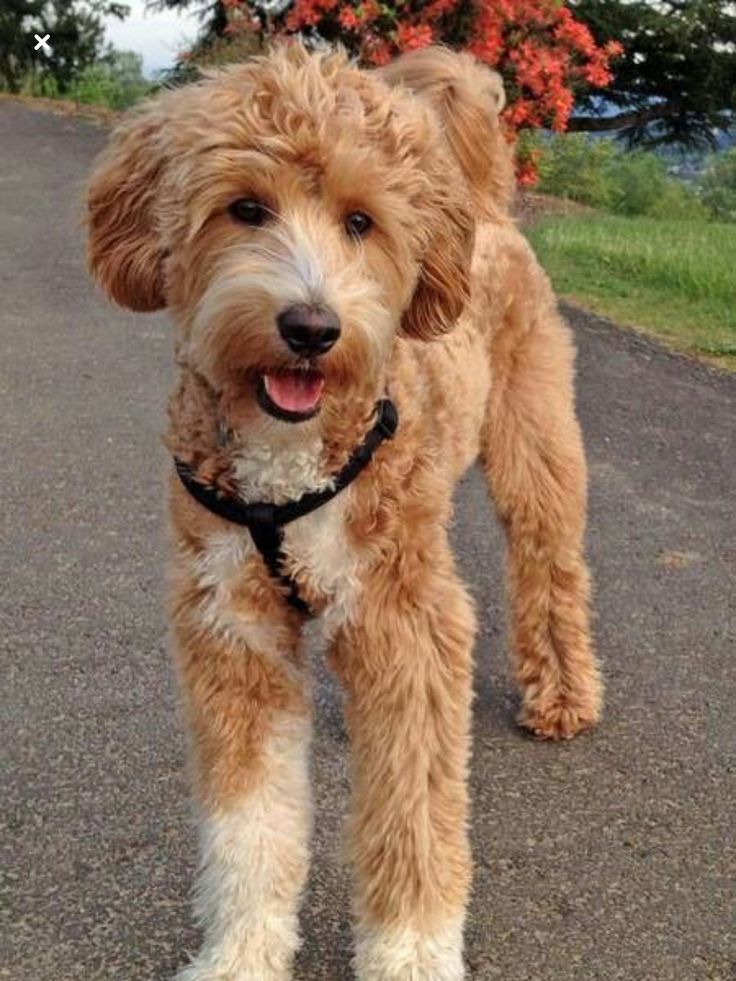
[675,280]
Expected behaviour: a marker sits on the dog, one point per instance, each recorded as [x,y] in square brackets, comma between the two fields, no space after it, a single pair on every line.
[357,321]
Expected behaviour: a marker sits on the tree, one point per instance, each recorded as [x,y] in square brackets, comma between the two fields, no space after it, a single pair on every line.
[15,46]
[77,38]
[676,81]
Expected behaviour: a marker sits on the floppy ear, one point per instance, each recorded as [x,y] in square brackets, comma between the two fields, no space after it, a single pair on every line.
[124,250]
[468,98]
[443,288]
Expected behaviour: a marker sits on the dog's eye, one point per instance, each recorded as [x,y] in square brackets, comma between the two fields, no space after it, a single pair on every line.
[358,224]
[249,211]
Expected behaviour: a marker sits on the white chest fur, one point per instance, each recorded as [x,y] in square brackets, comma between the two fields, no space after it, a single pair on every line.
[318,547]
[278,470]
[317,550]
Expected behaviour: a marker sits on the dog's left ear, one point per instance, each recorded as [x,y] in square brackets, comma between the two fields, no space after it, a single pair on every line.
[443,288]
[468,99]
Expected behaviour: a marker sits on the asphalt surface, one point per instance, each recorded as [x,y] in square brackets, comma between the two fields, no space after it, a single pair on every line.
[611,857]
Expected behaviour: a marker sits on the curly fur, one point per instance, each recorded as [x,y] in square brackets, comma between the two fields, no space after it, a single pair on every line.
[443,306]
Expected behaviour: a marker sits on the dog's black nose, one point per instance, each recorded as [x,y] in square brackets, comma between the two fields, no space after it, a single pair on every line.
[309,330]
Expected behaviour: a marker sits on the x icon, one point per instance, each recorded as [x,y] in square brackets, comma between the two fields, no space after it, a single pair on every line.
[42,42]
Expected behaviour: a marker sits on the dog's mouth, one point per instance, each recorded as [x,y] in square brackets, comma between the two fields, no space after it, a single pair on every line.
[293,395]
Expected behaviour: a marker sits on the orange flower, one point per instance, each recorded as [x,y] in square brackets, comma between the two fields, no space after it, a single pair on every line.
[348,18]
[410,37]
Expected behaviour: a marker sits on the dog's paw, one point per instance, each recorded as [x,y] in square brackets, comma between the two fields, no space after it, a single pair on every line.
[199,970]
[559,719]
[206,970]
[403,954]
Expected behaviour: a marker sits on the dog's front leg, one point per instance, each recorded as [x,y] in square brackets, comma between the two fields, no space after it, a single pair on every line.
[250,720]
[405,661]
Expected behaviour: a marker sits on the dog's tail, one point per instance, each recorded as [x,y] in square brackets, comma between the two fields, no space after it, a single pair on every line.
[468,98]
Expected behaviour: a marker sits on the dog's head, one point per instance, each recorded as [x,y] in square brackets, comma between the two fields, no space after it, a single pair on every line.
[297,213]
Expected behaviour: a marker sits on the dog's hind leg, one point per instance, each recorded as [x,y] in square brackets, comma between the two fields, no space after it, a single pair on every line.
[533,457]
[250,722]
[405,662]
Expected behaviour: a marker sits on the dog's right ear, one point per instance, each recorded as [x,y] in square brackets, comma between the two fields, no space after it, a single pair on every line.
[124,249]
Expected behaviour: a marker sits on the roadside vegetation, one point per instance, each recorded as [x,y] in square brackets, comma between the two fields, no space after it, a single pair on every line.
[115,81]
[672,279]
[607,176]
[650,251]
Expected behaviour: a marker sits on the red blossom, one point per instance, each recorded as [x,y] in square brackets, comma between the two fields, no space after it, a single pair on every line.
[413,37]
[348,18]
[526,173]
[377,51]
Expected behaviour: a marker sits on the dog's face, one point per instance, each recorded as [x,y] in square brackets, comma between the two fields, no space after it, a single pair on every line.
[295,214]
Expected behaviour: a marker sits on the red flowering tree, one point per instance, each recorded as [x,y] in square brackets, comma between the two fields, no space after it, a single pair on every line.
[543,53]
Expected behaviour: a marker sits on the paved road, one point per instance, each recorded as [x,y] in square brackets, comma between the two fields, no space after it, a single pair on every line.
[608,858]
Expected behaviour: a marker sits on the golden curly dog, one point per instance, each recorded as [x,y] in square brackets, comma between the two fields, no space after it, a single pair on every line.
[326,238]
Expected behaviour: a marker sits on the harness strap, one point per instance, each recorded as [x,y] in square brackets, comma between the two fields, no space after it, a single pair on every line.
[268,539]
[266,521]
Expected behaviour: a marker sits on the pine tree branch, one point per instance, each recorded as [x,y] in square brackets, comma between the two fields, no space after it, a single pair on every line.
[622,120]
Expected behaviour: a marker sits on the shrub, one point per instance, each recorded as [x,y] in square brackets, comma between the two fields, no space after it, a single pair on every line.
[599,173]
[718,186]
[116,82]
[678,202]
[639,181]
[577,168]
[36,84]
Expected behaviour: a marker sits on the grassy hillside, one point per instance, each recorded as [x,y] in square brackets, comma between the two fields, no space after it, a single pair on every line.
[673,279]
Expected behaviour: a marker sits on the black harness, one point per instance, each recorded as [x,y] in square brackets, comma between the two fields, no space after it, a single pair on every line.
[265,521]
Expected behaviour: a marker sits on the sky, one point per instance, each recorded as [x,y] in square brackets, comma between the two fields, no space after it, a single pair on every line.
[156,36]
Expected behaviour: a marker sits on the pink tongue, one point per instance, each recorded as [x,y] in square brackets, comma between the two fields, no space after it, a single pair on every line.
[294,391]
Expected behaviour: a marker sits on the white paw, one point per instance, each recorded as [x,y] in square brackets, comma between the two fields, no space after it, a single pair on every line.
[208,968]
[404,954]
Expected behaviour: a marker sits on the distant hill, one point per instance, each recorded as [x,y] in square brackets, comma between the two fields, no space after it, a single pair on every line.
[686,164]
